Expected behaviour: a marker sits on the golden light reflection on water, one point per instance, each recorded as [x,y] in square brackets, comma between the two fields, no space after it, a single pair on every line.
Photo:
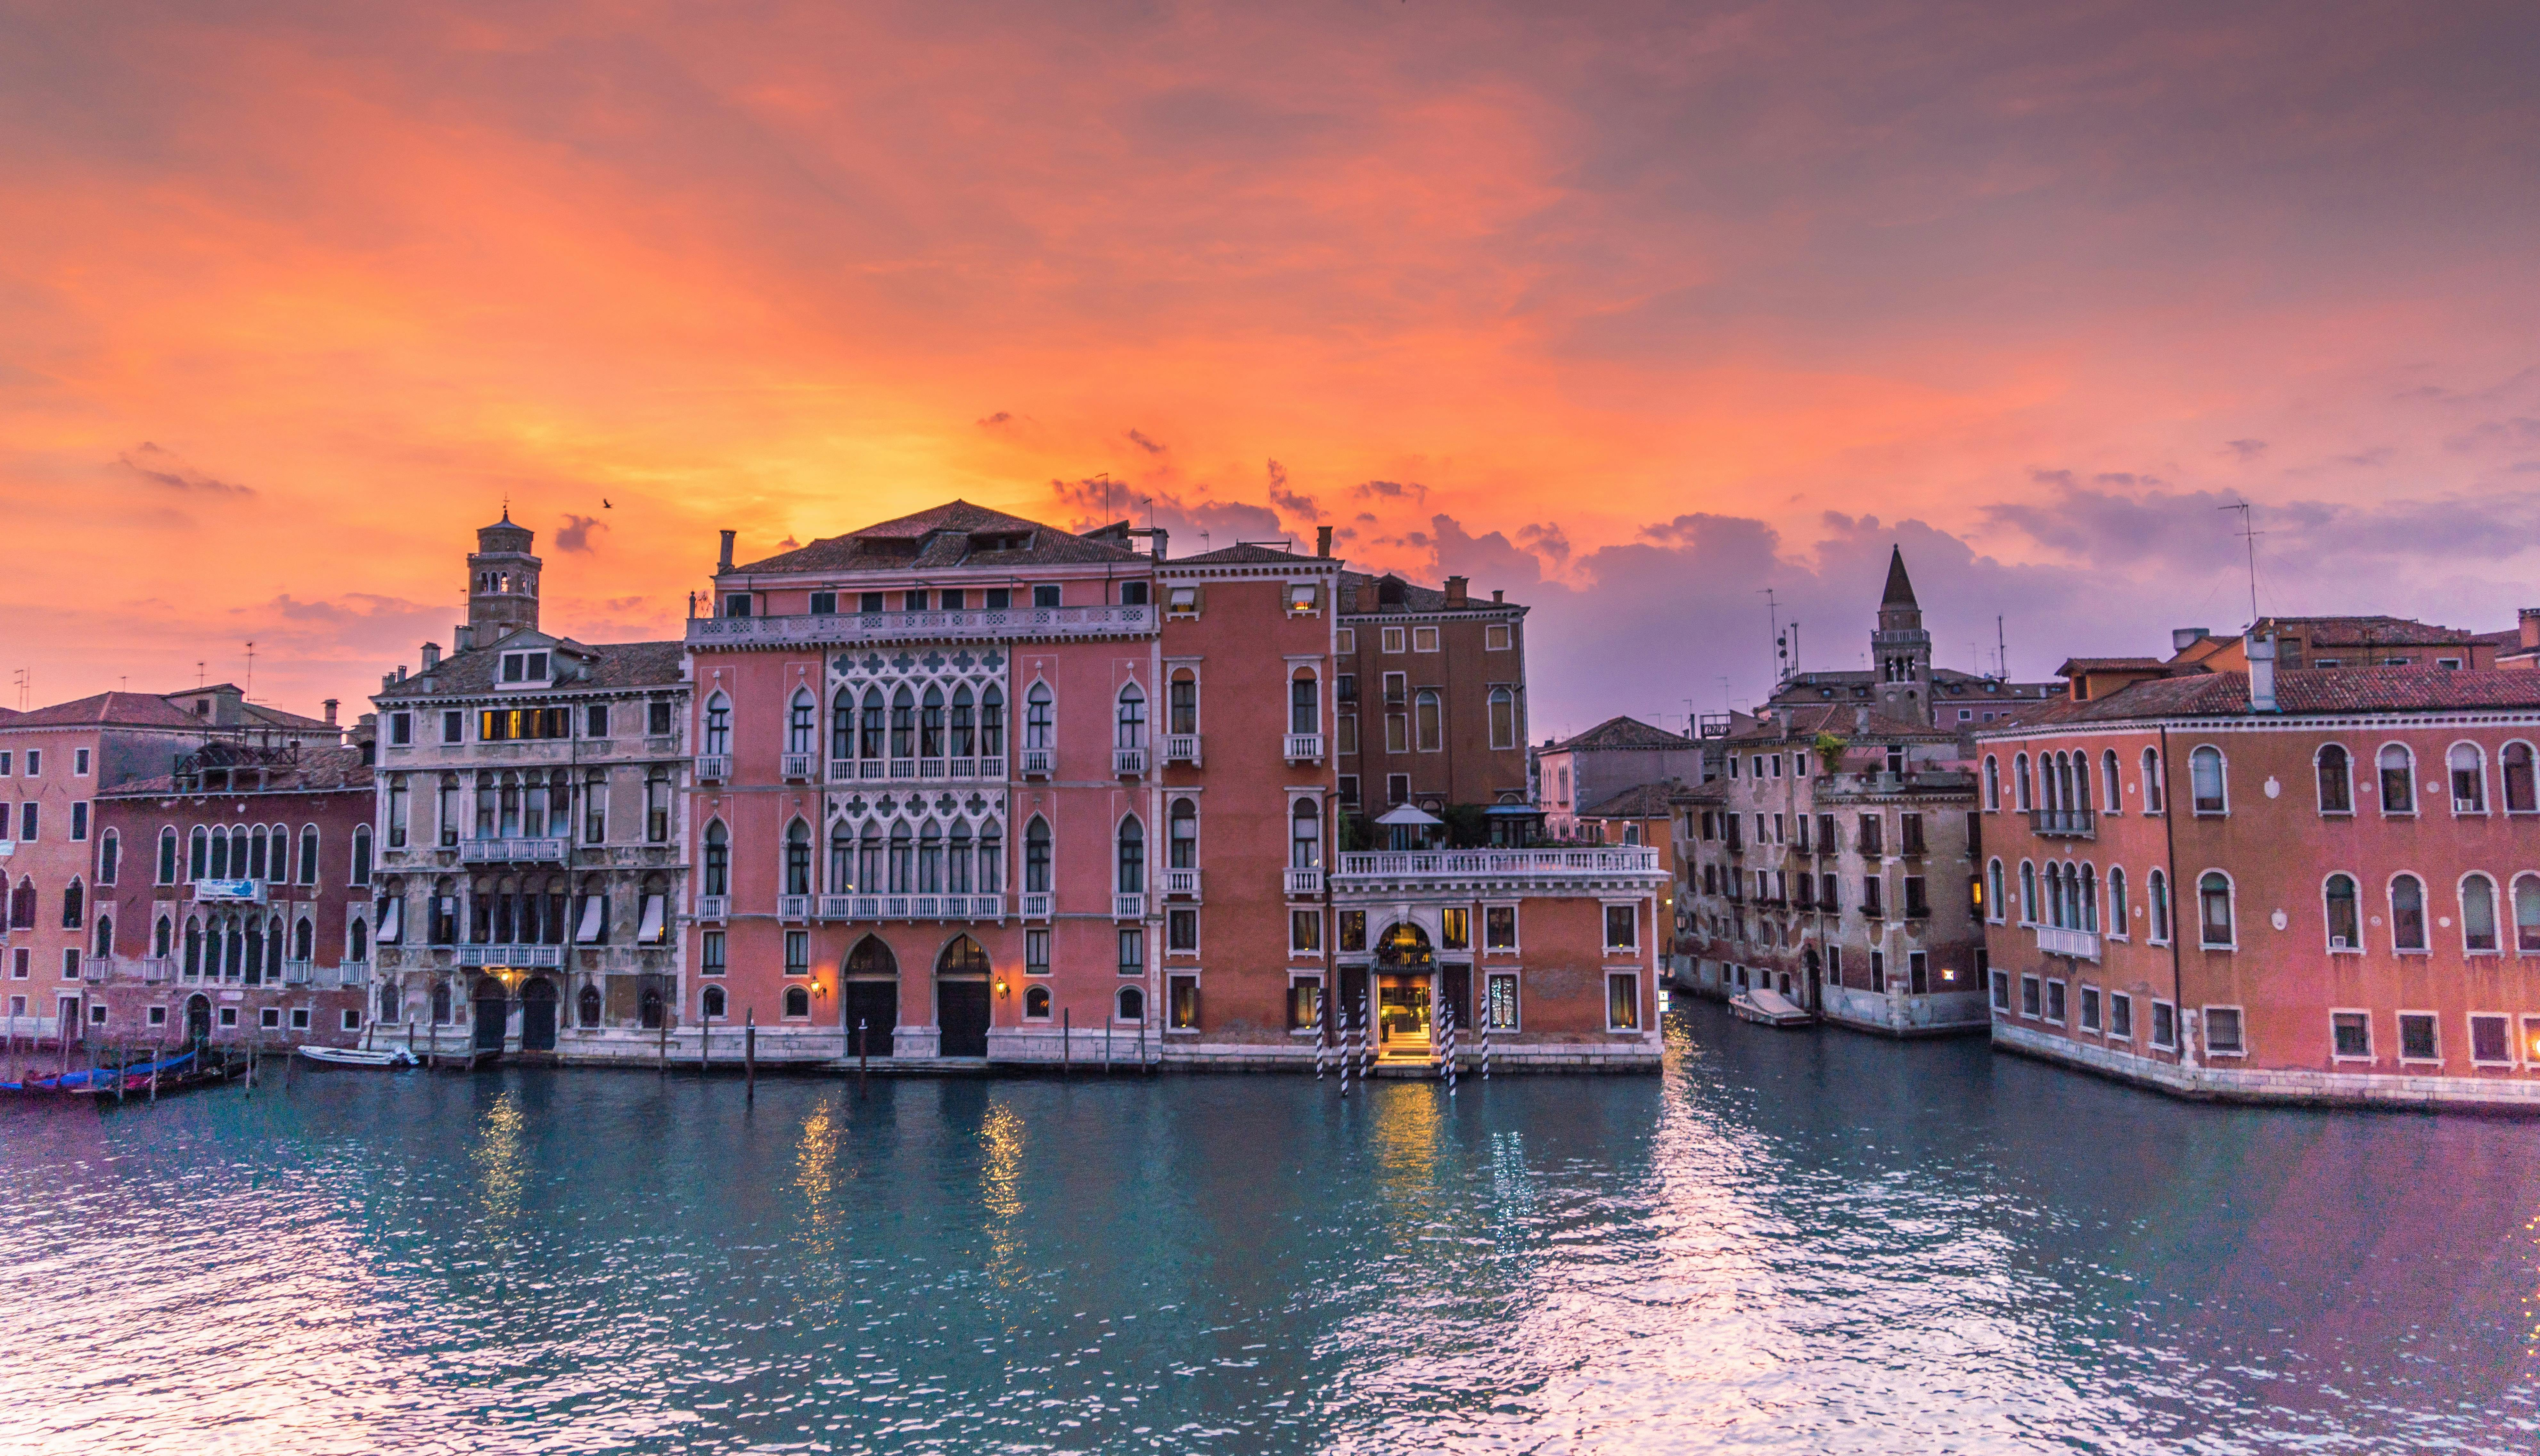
[815,1174]
[1001,1189]
[500,1163]
[1405,1139]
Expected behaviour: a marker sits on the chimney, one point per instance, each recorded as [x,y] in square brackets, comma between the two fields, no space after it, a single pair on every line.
[431,657]
[463,638]
[330,712]
[1324,541]
[724,562]
[2262,674]
[1454,590]
[1499,596]
[2183,638]
[1367,603]
[2531,628]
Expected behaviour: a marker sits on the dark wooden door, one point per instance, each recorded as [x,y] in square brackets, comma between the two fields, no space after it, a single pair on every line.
[874,1006]
[961,1011]
[493,1009]
[198,1020]
[538,1015]
[1459,995]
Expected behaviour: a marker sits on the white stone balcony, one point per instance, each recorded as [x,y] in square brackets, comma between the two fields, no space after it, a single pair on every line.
[714,907]
[913,907]
[1038,762]
[543,849]
[984,624]
[1182,748]
[2055,941]
[517,957]
[297,972]
[714,768]
[1128,907]
[1184,882]
[353,973]
[1550,866]
[800,768]
[990,769]
[1128,762]
[1305,749]
[1037,905]
[1304,880]
[794,908]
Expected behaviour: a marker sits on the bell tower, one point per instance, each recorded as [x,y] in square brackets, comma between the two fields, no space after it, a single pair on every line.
[502,582]
[1900,646]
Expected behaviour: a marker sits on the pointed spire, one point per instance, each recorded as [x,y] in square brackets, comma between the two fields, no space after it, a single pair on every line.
[1900,588]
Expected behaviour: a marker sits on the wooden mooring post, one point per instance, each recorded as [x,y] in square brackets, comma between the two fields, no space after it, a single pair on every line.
[750,1055]
[859,1058]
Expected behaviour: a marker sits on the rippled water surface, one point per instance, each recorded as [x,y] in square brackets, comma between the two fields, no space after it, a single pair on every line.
[1811,1242]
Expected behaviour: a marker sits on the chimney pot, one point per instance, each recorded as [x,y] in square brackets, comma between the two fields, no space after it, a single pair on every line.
[2262,674]
[1499,595]
[330,712]
[724,562]
[2529,621]
[431,656]
[2183,638]
[1454,590]
[1324,541]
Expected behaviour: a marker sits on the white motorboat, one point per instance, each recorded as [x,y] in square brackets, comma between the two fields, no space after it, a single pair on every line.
[356,1056]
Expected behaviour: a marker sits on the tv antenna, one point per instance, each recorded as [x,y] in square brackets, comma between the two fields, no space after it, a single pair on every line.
[1781,649]
[247,693]
[2251,537]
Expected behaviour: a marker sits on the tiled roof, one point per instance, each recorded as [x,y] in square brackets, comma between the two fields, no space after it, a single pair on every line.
[110,710]
[2370,631]
[615,664]
[1843,720]
[2109,664]
[1415,597]
[1242,555]
[1623,732]
[1641,802]
[2305,690]
[318,771]
[942,536]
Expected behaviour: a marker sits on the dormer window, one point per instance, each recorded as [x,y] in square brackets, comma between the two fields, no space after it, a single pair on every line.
[202,707]
[524,666]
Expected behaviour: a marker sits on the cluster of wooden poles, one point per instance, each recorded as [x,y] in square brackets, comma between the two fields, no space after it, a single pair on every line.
[1355,1045]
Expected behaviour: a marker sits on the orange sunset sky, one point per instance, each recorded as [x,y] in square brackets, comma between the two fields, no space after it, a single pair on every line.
[1634,310]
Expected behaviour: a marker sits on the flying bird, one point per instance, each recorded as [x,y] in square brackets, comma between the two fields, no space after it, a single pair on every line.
[604,505]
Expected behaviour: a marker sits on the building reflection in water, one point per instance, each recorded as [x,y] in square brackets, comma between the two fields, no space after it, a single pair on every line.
[502,1165]
[1001,1174]
[815,1177]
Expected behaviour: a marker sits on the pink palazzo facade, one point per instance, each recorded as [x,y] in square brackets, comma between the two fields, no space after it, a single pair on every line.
[2328,894]
[969,787]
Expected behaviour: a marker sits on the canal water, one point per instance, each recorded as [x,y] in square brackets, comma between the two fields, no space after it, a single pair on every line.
[1805,1242]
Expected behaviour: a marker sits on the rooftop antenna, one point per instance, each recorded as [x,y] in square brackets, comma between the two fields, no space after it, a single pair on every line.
[1781,649]
[246,694]
[1724,693]
[2001,649]
[2251,537]
[198,675]
[25,677]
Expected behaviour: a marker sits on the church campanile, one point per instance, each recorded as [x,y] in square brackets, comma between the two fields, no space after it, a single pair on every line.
[503,582]
[1901,648]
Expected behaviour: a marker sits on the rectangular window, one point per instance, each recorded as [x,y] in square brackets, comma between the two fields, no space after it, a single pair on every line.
[798,953]
[1424,639]
[2350,1032]
[1871,884]
[1181,931]
[1133,951]
[824,604]
[1305,932]
[997,598]
[70,963]
[1622,927]
[2416,1039]
[1397,789]
[401,730]
[1304,1002]
[29,821]
[78,819]
[2121,1016]
[2223,1031]
[1909,834]
[2000,991]
[34,763]
[1455,929]
[1353,930]
[594,724]
[1623,1002]
[1349,782]
[657,719]
[1917,904]
[453,726]
[1045,595]
[269,1018]
[1496,638]
[1499,928]
[1345,734]
[2089,1009]
[1303,599]
[1872,835]
[1035,953]
[1182,1004]
[1391,640]
[298,1019]
[711,956]
[2489,1041]
[2029,1003]
[914,601]
[1499,1001]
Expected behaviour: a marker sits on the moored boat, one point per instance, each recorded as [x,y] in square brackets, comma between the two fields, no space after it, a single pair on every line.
[1767,1007]
[382,1060]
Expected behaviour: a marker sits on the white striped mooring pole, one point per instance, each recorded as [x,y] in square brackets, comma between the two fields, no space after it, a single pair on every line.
[1448,1017]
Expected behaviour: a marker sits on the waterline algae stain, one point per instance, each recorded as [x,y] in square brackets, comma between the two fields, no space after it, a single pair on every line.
[1815,1243]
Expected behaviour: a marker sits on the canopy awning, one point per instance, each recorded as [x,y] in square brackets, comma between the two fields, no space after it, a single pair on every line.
[391,922]
[1404,813]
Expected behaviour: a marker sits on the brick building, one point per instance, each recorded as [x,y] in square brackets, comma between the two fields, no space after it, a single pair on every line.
[1430,696]
[2291,883]
[1573,774]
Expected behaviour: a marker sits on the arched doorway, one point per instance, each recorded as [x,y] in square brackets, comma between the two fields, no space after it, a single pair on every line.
[1404,963]
[587,1005]
[538,1015]
[493,1013]
[962,999]
[198,1018]
[1816,984]
[871,1005]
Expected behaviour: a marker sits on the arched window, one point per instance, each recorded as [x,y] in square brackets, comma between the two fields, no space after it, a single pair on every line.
[842,725]
[2478,912]
[1036,1003]
[2157,901]
[903,722]
[930,724]
[902,873]
[2027,894]
[712,1003]
[797,858]
[992,858]
[992,723]
[1132,1005]
[2155,798]
[1304,701]
[508,797]
[869,861]
[238,853]
[74,905]
[357,939]
[842,858]
[1428,728]
[2336,780]
[1306,835]
[440,1005]
[2519,795]
[2114,798]
[104,938]
[2117,901]
[586,1006]
[1132,718]
[2022,797]
[1993,891]
[2214,909]
[193,948]
[2468,763]
[2526,913]
[965,725]
[307,854]
[2398,780]
[956,860]
[2205,791]
[718,724]
[167,855]
[798,1003]
[1503,703]
[1036,856]
[2344,927]
[1992,783]
[1040,719]
[718,865]
[869,734]
[2407,913]
[163,937]
[2089,879]
[304,940]
[802,724]
[360,871]
[108,852]
[1133,856]
[930,858]
[255,853]
[1182,846]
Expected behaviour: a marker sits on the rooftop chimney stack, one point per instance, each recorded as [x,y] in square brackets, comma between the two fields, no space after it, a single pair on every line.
[1499,595]
[330,712]
[431,659]
[1324,541]
[724,562]
[2530,622]
[1454,590]
[2262,674]
[2183,638]
[463,639]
